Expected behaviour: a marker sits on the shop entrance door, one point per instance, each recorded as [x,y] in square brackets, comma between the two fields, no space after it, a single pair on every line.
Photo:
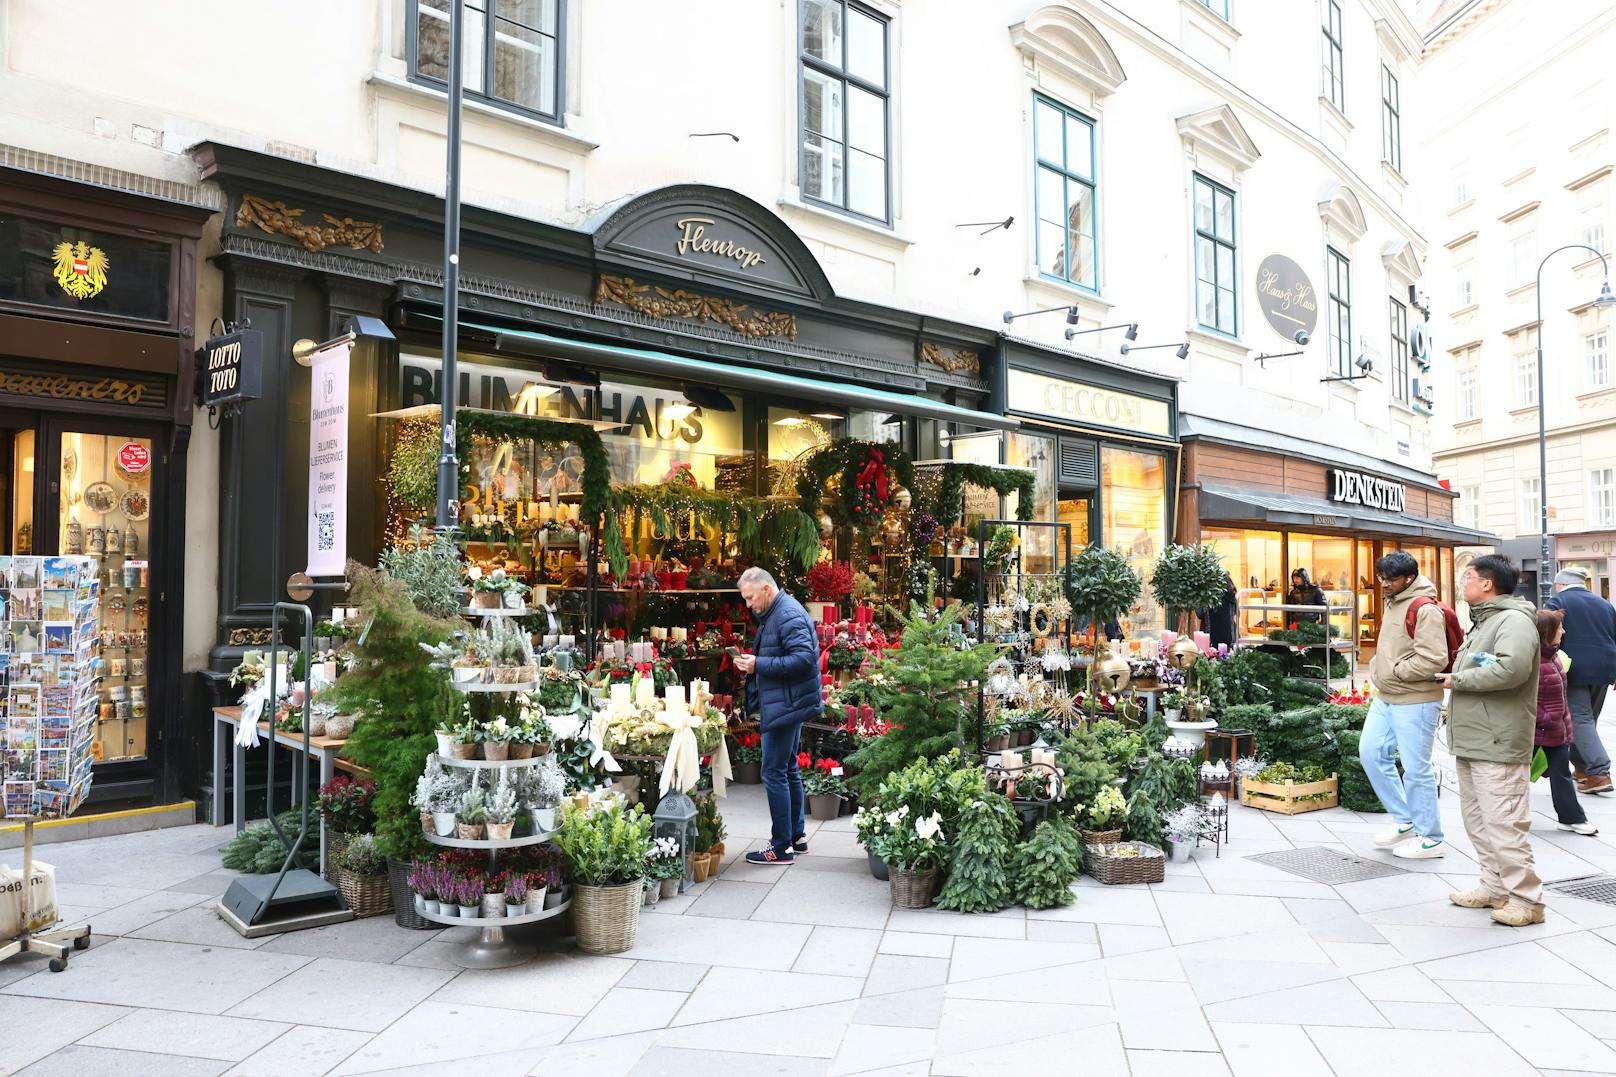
[93,484]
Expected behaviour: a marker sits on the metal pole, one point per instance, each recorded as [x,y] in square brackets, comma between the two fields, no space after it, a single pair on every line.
[448,462]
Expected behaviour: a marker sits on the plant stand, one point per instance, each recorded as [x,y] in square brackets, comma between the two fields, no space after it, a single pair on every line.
[58,944]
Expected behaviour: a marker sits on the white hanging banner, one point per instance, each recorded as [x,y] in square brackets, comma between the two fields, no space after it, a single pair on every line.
[328,463]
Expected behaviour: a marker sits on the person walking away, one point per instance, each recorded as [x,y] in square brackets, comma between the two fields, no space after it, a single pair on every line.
[783,690]
[1304,592]
[1590,642]
[1554,725]
[1219,621]
[1491,719]
[1403,719]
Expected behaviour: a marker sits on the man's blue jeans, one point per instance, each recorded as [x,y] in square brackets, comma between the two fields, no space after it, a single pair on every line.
[1408,729]
[782,781]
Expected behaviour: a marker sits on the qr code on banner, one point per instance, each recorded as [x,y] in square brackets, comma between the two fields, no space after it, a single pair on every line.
[326,525]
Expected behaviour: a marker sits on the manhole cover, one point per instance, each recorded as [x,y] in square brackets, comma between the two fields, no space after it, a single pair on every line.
[1328,866]
[1600,888]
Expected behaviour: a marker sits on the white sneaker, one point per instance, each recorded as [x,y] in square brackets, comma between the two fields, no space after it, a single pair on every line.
[1587,829]
[1397,835]
[1420,849]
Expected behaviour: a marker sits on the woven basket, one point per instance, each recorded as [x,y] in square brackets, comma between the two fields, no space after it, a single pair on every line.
[1120,870]
[1101,837]
[404,914]
[911,889]
[366,895]
[335,845]
[607,917]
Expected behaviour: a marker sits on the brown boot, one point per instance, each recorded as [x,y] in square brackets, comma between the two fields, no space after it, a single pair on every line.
[1578,776]
[1477,899]
[1595,784]
[1515,914]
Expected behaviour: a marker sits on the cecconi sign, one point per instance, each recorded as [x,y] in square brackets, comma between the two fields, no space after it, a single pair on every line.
[1078,402]
[1356,488]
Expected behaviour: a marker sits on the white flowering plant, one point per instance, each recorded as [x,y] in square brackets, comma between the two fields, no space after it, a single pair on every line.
[910,843]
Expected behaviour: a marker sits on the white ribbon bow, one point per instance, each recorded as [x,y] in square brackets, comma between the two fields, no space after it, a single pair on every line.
[721,770]
[597,742]
[683,764]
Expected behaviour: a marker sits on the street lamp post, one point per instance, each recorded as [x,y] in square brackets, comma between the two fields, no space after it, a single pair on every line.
[1545,569]
[448,515]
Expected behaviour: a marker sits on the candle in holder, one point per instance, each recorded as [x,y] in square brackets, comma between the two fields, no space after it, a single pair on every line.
[1043,757]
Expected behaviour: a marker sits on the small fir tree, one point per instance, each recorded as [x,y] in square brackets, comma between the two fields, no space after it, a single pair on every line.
[930,675]
[1143,823]
[1045,867]
[978,880]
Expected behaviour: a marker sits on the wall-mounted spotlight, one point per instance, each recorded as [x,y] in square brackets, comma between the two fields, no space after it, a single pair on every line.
[1301,338]
[1363,363]
[1131,327]
[1183,349]
[1071,314]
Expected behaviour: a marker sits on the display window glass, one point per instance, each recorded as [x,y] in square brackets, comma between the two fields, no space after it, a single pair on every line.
[1042,547]
[1134,511]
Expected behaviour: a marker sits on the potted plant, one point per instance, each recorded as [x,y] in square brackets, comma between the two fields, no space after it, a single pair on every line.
[748,760]
[1173,704]
[515,896]
[467,668]
[1181,829]
[362,877]
[1184,580]
[555,889]
[501,812]
[550,783]
[825,789]
[532,735]
[534,885]
[493,904]
[469,896]
[1105,815]
[465,736]
[472,817]
[912,851]
[607,847]
[829,582]
[666,866]
[494,739]
[710,831]
[1101,584]
[424,886]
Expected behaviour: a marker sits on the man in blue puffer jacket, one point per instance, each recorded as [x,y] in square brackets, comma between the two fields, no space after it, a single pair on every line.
[782,689]
[1590,641]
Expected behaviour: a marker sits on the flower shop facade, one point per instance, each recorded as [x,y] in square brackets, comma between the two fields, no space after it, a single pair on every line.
[1271,504]
[97,309]
[689,326]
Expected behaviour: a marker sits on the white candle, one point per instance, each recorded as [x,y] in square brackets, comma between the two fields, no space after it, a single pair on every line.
[675,696]
[622,700]
[645,693]
[551,640]
[679,635]
[1010,760]
[567,643]
[659,633]
[541,594]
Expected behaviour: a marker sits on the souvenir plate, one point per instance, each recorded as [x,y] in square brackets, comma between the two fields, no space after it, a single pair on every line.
[136,505]
[101,497]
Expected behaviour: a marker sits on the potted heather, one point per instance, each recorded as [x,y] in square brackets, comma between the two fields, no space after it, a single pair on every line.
[829,582]
[748,759]
[469,897]
[555,888]
[493,904]
[825,788]
[533,884]
[423,884]
[515,896]
[501,812]
[607,847]
[472,817]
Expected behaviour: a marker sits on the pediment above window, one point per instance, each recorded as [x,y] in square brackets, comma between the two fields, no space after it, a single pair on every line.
[1401,260]
[1065,41]
[1219,131]
[1341,211]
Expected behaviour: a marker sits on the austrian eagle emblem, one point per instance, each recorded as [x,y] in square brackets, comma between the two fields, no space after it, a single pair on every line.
[81,269]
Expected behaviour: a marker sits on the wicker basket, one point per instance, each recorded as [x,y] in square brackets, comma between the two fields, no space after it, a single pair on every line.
[366,895]
[404,914]
[912,889]
[607,917]
[1101,862]
[1101,837]
[336,844]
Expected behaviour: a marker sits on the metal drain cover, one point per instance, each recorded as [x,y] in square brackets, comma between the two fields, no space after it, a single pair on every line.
[1328,866]
[1600,888]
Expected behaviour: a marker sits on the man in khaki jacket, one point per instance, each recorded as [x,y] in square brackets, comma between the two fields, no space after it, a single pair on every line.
[1491,720]
[1408,702]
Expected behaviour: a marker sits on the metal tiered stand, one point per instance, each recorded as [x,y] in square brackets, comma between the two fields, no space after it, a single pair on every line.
[491,949]
[58,943]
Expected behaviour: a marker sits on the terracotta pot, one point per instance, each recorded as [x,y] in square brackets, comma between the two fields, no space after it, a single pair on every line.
[485,600]
[426,822]
[520,751]
[541,750]
[463,751]
[496,750]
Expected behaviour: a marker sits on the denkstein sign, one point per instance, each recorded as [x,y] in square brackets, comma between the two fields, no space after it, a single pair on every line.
[1356,488]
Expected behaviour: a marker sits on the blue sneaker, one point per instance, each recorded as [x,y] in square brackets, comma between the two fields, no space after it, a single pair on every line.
[799,844]
[771,856]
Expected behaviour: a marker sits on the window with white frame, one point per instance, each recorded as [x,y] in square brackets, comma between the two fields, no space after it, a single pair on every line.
[1399,345]
[1522,254]
[1531,503]
[1063,140]
[1338,312]
[1215,281]
[1596,360]
[1220,8]
[846,108]
[1466,403]
[510,49]
[1391,119]
[1602,497]
[1470,506]
[1464,284]
[1334,71]
[1525,381]
[1592,222]
[1461,187]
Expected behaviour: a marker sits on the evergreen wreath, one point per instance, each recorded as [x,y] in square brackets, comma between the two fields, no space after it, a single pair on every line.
[758,523]
[950,504]
[866,468]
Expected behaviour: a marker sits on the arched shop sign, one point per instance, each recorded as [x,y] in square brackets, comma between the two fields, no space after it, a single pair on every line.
[1286,297]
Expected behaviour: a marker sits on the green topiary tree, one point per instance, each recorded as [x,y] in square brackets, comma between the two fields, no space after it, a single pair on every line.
[930,675]
[977,879]
[1187,578]
[1045,866]
[1144,822]
[399,698]
[1101,584]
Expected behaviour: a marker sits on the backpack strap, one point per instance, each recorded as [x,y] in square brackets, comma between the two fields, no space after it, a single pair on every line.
[1414,609]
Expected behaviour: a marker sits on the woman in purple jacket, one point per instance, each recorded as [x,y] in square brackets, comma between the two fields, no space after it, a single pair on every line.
[1554,724]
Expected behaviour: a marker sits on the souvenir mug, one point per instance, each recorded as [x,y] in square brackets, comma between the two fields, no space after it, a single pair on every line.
[125,712]
[114,540]
[75,536]
[131,575]
[137,694]
[117,693]
[98,540]
[137,667]
[131,543]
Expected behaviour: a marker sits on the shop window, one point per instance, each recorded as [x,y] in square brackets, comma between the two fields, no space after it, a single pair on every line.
[1328,560]
[1596,360]
[1134,501]
[1043,547]
[1255,559]
[1399,330]
[1338,272]
[1334,72]
[1215,279]
[511,51]
[1391,119]
[846,108]
[1602,497]
[1065,194]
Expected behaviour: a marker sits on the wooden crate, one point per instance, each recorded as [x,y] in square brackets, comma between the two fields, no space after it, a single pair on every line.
[1286,798]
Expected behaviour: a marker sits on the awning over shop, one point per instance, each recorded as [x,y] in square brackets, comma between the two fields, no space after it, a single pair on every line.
[1292,510]
[700,371]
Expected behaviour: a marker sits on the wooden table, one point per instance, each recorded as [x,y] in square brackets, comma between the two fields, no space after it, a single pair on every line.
[328,750]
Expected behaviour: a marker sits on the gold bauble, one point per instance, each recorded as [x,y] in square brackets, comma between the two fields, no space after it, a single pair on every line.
[826,526]
[901,498]
[1114,672]
[1184,653]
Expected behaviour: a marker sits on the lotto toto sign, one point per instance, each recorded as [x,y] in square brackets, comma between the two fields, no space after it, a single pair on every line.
[134,458]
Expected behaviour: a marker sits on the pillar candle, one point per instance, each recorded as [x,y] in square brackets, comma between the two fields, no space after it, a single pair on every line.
[1203,641]
[645,692]
[1168,639]
[541,595]
[1010,760]
[1043,757]
[551,640]
[675,699]
[659,633]
[567,643]
[681,635]
[622,698]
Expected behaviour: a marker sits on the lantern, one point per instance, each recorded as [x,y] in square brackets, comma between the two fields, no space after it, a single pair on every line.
[676,818]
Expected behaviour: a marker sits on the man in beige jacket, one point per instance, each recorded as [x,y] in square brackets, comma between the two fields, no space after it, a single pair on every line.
[1491,721]
[1408,701]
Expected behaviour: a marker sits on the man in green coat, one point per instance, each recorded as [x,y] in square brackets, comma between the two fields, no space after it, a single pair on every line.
[1491,719]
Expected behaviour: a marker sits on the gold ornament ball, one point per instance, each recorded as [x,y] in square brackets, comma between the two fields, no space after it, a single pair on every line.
[1184,653]
[1115,673]
[826,526]
[902,499]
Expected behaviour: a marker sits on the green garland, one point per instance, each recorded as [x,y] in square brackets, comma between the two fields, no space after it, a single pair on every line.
[551,435]
[848,456]
[758,524]
[951,493]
